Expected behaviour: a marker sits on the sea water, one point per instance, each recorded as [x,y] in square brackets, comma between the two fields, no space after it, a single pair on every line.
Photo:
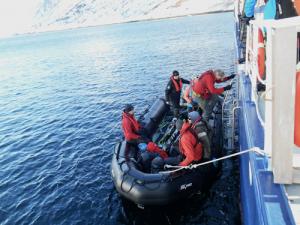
[61,98]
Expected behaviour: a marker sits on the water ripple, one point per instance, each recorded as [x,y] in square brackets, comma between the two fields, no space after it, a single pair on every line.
[61,95]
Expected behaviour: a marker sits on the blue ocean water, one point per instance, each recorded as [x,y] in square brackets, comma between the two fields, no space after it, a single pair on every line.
[61,96]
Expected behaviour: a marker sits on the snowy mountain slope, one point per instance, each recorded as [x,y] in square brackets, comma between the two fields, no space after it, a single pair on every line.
[45,15]
[59,14]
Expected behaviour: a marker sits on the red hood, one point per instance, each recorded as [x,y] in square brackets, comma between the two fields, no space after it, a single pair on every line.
[185,127]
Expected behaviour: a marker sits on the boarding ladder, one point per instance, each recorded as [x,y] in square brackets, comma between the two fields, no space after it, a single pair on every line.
[229,118]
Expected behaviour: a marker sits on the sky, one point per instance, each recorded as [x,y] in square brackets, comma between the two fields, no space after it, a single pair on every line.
[16,15]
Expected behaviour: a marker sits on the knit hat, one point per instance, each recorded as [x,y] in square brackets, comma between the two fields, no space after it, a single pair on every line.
[193,116]
[175,73]
[128,108]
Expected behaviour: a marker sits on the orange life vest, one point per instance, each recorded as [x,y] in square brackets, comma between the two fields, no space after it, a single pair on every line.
[177,87]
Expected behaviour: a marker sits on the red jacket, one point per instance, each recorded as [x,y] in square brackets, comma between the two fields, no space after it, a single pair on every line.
[205,85]
[189,146]
[130,126]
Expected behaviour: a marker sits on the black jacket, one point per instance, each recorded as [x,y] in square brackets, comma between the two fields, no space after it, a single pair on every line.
[172,96]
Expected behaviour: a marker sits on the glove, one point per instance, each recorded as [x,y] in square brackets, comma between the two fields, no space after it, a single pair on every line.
[231,76]
[228,87]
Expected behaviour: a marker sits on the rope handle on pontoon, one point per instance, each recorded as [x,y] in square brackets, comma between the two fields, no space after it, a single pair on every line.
[193,166]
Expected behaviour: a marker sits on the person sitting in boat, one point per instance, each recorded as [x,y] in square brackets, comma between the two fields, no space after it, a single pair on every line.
[202,130]
[131,127]
[148,152]
[173,92]
[189,151]
[189,145]
[204,91]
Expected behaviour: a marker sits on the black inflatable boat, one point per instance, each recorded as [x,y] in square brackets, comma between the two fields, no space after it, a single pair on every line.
[167,186]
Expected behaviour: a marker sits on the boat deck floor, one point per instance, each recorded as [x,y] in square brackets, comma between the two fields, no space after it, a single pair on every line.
[293,192]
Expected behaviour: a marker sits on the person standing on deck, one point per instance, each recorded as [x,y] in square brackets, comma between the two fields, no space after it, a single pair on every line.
[173,92]
[205,93]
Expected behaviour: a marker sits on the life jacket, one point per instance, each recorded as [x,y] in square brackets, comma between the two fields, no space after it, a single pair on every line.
[175,83]
[130,126]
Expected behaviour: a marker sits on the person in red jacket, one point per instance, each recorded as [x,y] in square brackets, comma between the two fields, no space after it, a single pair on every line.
[131,127]
[189,145]
[205,92]
[151,157]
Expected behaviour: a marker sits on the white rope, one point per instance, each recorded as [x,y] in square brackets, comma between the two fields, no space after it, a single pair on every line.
[193,166]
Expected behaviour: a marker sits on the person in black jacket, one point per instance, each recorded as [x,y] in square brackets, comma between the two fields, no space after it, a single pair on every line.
[173,92]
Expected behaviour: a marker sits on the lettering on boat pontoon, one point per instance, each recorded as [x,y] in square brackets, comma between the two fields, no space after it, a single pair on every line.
[185,186]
